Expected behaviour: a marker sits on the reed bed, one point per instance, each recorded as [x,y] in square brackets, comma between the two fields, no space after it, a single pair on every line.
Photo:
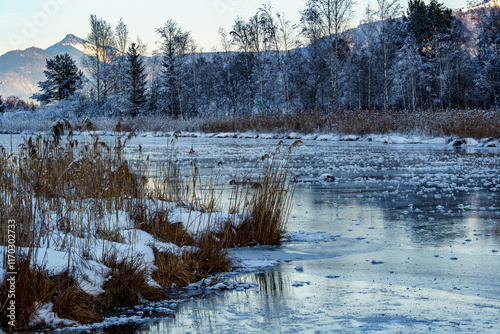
[85,200]
[464,123]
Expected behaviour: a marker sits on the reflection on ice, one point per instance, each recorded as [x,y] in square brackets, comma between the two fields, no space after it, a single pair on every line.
[428,215]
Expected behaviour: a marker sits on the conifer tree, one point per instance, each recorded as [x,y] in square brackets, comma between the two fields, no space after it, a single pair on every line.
[63,80]
[136,80]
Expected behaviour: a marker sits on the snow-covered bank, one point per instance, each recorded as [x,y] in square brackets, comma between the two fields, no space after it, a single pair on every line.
[392,139]
[395,139]
[114,233]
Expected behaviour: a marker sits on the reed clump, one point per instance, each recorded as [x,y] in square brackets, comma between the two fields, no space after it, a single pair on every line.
[264,205]
[36,287]
[80,196]
[127,284]
[209,256]
[157,224]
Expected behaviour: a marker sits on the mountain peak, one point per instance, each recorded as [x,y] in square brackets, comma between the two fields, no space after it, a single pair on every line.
[71,39]
[71,44]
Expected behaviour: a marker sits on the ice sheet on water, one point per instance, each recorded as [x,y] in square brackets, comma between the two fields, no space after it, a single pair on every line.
[112,321]
[304,236]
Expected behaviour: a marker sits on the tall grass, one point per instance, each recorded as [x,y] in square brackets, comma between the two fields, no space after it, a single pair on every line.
[263,205]
[463,123]
[86,199]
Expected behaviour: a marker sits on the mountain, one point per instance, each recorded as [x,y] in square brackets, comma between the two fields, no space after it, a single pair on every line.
[72,45]
[21,70]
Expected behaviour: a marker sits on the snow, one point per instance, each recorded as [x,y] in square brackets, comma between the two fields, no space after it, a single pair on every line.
[226,135]
[44,315]
[232,285]
[371,178]
[112,321]
[88,270]
[392,139]
[195,221]
[329,137]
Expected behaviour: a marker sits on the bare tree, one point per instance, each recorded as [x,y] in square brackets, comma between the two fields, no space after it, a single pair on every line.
[312,31]
[279,32]
[227,56]
[100,57]
[242,38]
[386,11]
[122,38]
[335,17]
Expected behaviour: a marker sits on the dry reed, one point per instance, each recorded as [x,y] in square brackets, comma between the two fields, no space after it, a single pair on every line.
[70,195]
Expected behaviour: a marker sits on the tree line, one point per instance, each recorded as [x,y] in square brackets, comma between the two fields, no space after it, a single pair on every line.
[425,58]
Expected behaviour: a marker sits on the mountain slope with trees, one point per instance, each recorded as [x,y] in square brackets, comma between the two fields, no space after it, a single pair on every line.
[426,58]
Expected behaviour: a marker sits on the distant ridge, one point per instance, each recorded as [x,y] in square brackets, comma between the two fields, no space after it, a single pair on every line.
[21,70]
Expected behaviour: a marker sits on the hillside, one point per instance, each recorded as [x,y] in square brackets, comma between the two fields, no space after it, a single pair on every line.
[21,70]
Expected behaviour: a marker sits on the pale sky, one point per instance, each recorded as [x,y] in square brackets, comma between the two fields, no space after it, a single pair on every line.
[42,23]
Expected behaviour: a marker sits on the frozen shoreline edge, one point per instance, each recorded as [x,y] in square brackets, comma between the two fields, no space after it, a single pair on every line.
[390,139]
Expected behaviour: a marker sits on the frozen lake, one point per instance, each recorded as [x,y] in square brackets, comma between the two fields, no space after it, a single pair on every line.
[405,240]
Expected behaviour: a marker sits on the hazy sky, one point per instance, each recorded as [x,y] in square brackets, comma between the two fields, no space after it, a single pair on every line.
[42,23]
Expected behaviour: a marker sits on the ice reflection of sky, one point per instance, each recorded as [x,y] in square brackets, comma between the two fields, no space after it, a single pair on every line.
[431,214]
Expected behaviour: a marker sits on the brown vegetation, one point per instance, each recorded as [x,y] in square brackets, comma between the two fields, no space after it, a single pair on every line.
[69,195]
[35,287]
[463,123]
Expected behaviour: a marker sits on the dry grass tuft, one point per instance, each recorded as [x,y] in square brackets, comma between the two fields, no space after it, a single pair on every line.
[71,302]
[209,256]
[265,213]
[156,223]
[72,196]
[36,287]
[126,284]
[174,268]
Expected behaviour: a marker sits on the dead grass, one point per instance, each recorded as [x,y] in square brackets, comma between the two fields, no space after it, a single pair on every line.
[209,256]
[35,287]
[174,268]
[127,284]
[463,123]
[157,224]
[68,194]
[264,205]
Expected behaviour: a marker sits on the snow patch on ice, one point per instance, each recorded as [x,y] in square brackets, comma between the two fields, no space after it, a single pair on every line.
[44,315]
[232,285]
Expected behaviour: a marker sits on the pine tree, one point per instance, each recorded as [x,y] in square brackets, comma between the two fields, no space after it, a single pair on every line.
[2,107]
[136,80]
[174,46]
[63,80]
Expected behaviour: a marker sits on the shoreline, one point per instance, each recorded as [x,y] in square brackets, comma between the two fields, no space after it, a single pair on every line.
[390,139]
